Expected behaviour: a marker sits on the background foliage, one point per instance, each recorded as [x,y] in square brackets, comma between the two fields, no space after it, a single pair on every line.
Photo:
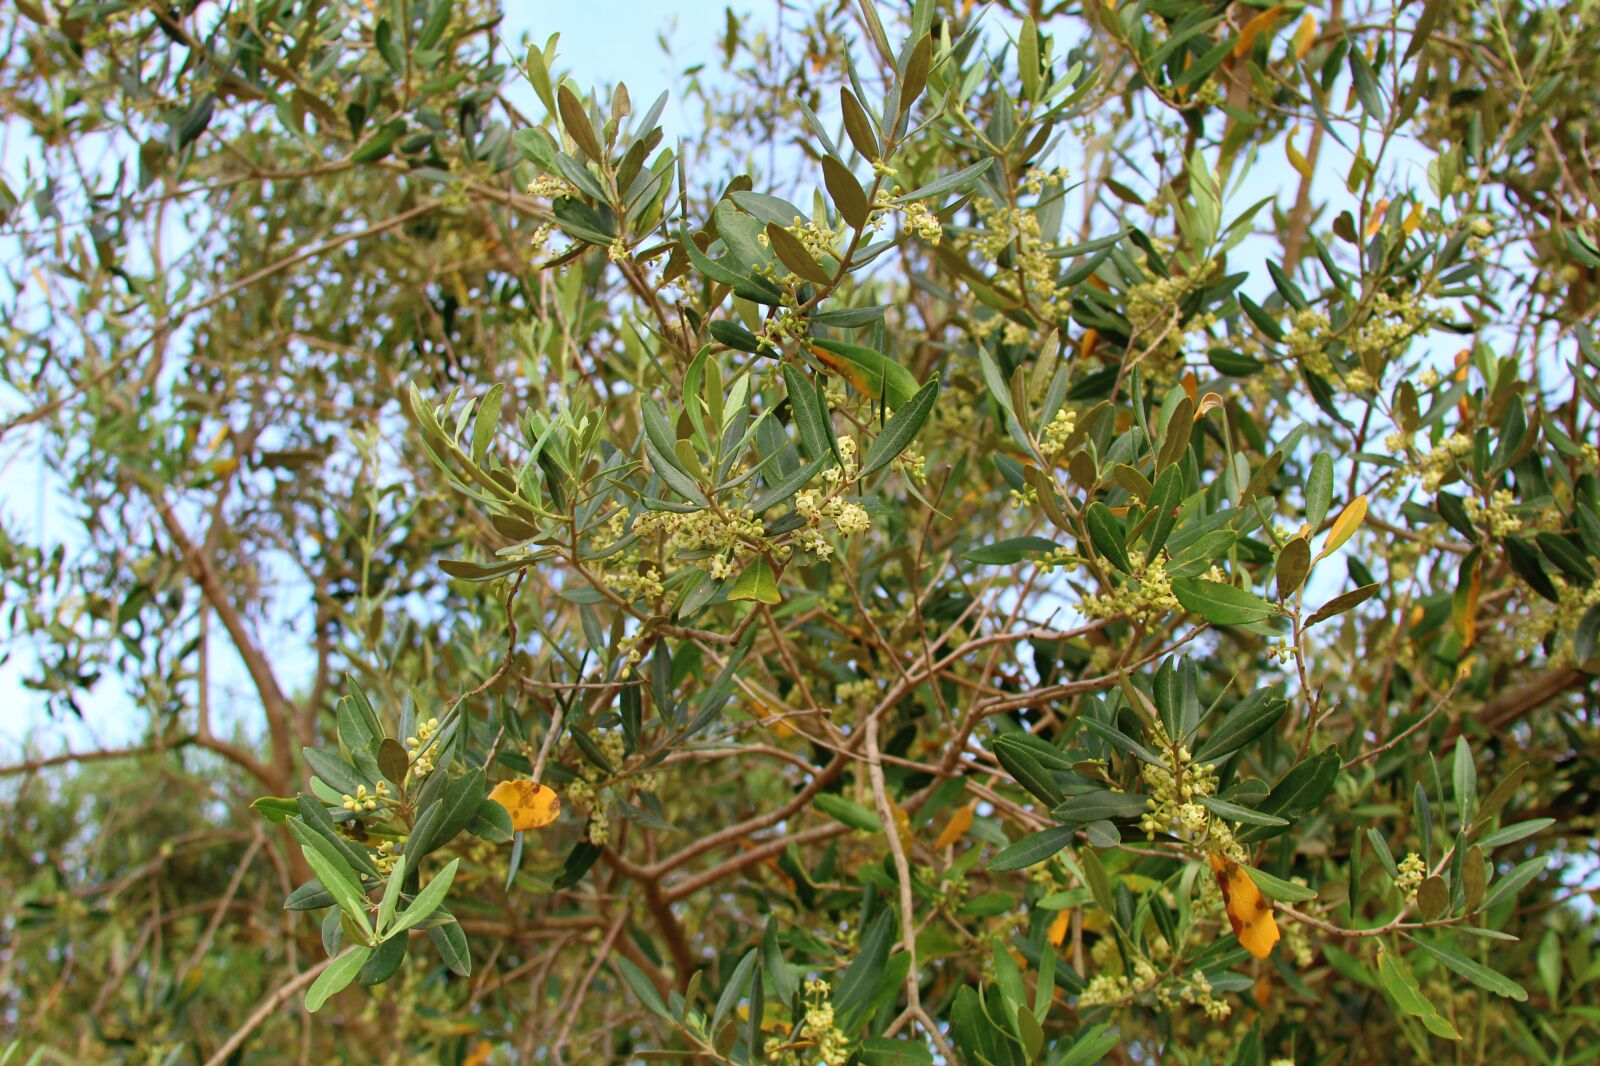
[1037,534]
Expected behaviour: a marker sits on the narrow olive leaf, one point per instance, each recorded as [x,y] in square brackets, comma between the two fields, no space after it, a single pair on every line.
[1219,604]
[848,812]
[1276,888]
[646,992]
[1516,831]
[1568,558]
[1233,812]
[1319,489]
[1402,987]
[1294,560]
[960,181]
[857,125]
[734,990]
[1431,10]
[1033,849]
[1179,430]
[1105,533]
[1026,770]
[846,192]
[915,78]
[1478,974]
[575,120]
[1301,789]
[1165,497]
[1344,527]
[901,429]
[340,972]
[756,582]
[1525,561]
[1515,881]
[1014,550]
[391,894]
[792,254]
[450,941]
[1249,719]
[810,418]
[428,900]
[1586,638]
[1342,603]
[1100,806]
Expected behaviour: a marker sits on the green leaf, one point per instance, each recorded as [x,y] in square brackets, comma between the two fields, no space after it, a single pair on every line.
[850,813]
[575,120]
[1319,490]
[1104,804]
[1342,603]
[1105,533]
[340,972]
[428,900]
[391,895]
[1219,604]
[1478,974]
[340,775]
[450,941]
[756,582]
[1249,719]
[1278,889]
[1235,813]
[810,417]
[646,992]
[1517,831]
[1301,789]
[336,877]
[901,429]
[883,1051]
[960,181]
[794,255]
[734,990]
[1400,985]
[1014,550]
[1024,767]
[1032,849]
[1293,563]
[846,192]
[276,809]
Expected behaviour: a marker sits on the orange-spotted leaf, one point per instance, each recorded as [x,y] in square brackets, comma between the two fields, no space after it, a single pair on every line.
[530,804]
[957,826]
[1058,927]
[1248,910]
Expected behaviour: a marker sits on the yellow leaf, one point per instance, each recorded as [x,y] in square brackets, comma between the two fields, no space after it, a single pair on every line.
[1301,164]
[1058,927]
[479,1055]
[779,727]
[530,804]
[902,823]
[1248,910]
[1349,520]
[1209,402]
[1086,346]
[957,827]
[1254,28]
[1305,35]
[1413,220]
